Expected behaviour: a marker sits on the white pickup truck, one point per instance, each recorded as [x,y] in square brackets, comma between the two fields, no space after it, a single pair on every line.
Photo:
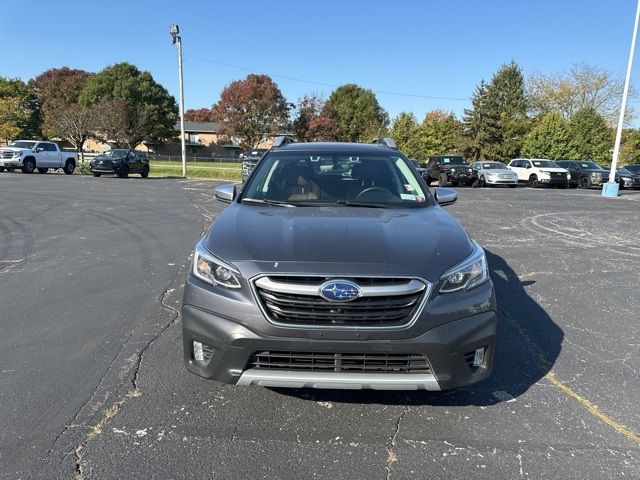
[31,155]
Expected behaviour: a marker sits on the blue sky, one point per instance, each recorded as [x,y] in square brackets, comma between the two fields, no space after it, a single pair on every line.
[437,49]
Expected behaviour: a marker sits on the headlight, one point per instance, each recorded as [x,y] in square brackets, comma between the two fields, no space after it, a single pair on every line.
[453,170]
[17,154]
[213,270]
[472,272]
[568,176]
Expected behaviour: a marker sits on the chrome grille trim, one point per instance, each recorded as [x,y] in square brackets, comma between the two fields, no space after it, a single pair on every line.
[413,286]
[375,283]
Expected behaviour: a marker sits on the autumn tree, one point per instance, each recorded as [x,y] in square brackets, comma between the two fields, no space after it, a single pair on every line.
[357,112]
[583,86]
[140,108]
[313,121]
[58,91]
[590,137]
[549,139]
[20,114]
[198,115]
[251,109]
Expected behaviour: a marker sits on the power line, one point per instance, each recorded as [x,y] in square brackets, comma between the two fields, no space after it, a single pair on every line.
[322,84]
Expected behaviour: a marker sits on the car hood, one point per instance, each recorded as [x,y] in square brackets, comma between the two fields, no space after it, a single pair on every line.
[553,169]
[626,175]
[14,149]
[103,158]
[369,240]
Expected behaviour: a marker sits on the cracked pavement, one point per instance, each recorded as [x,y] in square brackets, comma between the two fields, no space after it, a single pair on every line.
[92,383]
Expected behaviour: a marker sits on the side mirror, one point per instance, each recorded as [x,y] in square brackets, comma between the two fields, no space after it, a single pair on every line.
[39,149]
[225,193]
[445,196]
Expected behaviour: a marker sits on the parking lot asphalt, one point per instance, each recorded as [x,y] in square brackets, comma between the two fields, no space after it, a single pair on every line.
[92,383]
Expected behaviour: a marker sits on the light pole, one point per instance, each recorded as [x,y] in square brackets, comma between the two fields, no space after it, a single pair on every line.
[174,30]
[610,189]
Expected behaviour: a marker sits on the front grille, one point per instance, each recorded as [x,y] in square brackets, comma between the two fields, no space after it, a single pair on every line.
[284,302]
[7,155]
[340,362]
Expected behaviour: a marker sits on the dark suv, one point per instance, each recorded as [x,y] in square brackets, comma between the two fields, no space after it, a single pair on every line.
[122,162]
[309,278]
[450,168]
[585,174]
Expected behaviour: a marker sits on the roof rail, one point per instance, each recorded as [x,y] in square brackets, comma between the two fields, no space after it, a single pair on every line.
[281,140]
[386,142]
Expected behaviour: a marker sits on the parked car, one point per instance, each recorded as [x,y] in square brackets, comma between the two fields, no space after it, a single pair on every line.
[122,162]
[449,168]
[536,172]
[494,173]
[632,168]
[32,155]
[584,173]
[628,178]
[424,173]
[309,278]
[250,161]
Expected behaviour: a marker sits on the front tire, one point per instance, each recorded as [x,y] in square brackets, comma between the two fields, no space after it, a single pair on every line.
[442,180]
[482,182]
[584,182]
[533,181]
[69,167]
[145,172]
[29,165]
[96,174]
[43,170]
[124,173]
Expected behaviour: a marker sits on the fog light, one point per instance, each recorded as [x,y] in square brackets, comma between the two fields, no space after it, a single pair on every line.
[478,358]
[198,352]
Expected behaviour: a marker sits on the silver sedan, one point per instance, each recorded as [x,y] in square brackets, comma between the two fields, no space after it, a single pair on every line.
[494,173]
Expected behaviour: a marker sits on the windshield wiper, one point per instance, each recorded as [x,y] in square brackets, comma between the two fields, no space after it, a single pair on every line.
[279,203]
[349,203]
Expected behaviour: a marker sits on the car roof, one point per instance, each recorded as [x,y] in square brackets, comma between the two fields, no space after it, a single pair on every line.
[334,147]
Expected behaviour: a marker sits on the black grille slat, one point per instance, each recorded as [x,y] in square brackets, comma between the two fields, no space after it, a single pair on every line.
[340,362]
[388,310]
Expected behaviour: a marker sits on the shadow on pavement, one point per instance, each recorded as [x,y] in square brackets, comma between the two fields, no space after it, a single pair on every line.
[528,345]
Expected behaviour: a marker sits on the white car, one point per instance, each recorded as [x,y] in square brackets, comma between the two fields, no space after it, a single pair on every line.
[538,171]
[29,155]
[494,173]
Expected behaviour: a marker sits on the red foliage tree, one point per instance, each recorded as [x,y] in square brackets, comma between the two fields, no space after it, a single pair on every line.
[251,109]
[198,115]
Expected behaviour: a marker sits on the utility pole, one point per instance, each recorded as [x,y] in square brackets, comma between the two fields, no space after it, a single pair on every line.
[610,189]
[174,30]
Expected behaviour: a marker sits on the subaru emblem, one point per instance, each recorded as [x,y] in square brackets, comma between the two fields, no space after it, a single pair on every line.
[340,291]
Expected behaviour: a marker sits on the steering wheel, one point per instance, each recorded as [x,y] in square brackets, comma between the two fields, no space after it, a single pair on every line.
[370,190]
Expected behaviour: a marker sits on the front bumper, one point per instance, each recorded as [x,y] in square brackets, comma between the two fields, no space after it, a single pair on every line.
[501,181]
[554,181]
[10,162]
[104,168]
[447,348]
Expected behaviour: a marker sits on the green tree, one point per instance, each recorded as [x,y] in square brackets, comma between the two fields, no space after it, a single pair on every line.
[630,150]
[404,130]
[19,110]
[549,139]
[505,95]
[251,109]
[590,137]
[357,112]
[141,109]
[439,133]
[480,126]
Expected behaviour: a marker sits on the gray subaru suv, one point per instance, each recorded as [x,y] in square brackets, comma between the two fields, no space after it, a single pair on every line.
[334,266]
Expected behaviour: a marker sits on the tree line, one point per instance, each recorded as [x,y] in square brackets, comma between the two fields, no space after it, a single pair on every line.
[569,115]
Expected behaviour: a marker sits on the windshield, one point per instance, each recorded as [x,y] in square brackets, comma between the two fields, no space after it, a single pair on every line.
[454,160]
[624,171]
[545,164]
[116,153]
[593,165]
[494,166]
[22,144]
[300,178]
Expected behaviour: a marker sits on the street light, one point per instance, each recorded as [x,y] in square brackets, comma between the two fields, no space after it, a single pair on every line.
[610,189]
[174,30]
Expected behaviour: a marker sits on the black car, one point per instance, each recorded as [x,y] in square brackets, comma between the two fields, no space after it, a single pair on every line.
[122,162]
[250,161]
[450,168]
[628,178]
[585,174]
[424,173]
[633,168]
